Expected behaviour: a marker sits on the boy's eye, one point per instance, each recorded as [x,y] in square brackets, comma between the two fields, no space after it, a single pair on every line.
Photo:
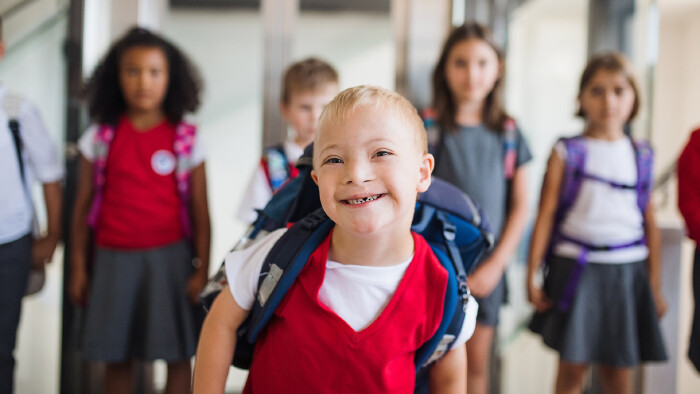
[597,91]
[333,160]
[382,153]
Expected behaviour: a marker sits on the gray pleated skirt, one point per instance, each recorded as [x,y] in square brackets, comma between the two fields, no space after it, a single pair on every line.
[138,306]
[612,319]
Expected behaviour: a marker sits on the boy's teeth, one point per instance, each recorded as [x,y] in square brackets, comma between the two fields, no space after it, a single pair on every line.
[361,200]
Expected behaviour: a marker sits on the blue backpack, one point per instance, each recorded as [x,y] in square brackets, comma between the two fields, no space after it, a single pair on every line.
[453,226]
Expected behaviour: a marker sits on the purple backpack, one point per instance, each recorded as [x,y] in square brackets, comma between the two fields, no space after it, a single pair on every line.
[574,174]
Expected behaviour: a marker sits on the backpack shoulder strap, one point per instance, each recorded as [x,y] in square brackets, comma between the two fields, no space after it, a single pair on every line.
[282,266]
[276,166]
[575,162]
[510,147]
[13,125]
[644,156]
[454,310]
[101,143]
[183,145]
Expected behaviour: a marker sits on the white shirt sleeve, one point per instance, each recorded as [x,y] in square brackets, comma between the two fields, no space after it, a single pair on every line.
[86,143]
[256,196]
[560,148]
[243,268]
[199,151]
[469,322]
[42,156]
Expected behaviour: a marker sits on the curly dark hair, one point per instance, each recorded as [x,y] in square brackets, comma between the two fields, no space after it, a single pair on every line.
[103,91]
[494,115]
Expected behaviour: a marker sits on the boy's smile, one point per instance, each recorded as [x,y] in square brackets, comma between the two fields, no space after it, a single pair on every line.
[369,170]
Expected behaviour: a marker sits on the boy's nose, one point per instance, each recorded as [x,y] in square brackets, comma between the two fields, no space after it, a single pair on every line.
[358,172]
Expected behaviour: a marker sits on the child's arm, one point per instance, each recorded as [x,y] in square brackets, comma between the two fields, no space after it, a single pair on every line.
[202,232]
[79,233]
[549,198]
[487,275]
[449,374]
[654,262]
[217,344]
[43,247]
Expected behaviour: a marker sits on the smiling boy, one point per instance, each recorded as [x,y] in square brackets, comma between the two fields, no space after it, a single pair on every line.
[371,294]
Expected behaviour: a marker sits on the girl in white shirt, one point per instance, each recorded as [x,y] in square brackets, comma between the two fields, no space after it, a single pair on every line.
[601,298]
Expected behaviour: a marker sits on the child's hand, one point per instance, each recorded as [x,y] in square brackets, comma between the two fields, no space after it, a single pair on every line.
[538,298]
[78,287]
[660,302]
[484,279]
[195,284]
[42,251]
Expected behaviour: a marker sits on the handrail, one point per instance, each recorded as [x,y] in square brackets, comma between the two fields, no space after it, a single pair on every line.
[661,183]
[15,8]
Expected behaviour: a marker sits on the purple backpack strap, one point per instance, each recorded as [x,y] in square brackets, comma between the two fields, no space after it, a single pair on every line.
[573,176]
[183,145]
[103,138]
[570,187]
[645,164]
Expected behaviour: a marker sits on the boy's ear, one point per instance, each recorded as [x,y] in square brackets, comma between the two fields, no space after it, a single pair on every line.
[426,169]
[314,177]
[284,109]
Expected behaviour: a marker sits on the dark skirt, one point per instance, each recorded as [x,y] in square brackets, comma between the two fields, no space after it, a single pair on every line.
[612,319]
[694,347]
[138,306]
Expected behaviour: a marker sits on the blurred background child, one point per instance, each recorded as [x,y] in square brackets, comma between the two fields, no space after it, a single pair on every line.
[308,86]
[26,154]
[596,230]
[480,150]
[689,205]
[142,188]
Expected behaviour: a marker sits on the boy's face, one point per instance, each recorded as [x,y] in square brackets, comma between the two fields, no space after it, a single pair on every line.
[304,108]
[369,171]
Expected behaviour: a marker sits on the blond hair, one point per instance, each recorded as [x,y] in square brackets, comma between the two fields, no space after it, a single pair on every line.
[372,97]
[307,75]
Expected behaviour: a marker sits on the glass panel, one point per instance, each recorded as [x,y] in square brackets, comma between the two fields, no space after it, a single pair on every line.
[547,45]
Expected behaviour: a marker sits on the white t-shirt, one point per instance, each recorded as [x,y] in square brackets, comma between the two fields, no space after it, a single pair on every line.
[371,287]
[86,146]
[258,192]
[602,214]
[41,162]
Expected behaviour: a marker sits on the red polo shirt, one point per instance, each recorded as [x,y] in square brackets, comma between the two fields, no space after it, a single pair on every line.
[140,206]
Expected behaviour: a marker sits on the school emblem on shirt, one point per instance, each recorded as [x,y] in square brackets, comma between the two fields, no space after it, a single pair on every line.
[163,162]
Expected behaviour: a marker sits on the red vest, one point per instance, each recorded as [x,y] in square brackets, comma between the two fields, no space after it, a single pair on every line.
[307,348]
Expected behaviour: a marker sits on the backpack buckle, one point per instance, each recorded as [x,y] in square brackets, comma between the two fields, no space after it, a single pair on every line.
[465,293]
[314,219]
[448,230]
